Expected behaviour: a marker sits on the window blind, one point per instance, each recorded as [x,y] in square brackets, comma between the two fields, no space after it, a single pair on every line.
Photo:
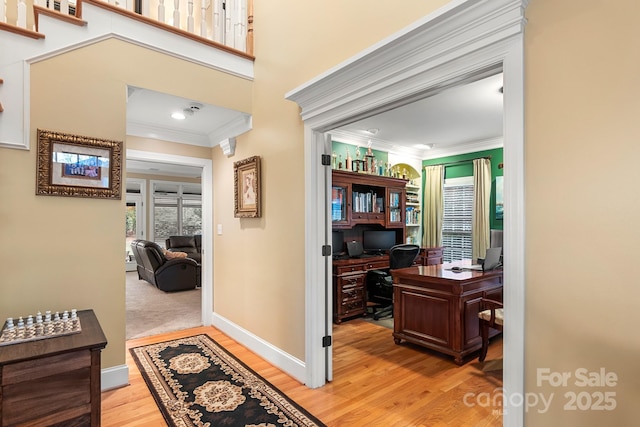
[457,222]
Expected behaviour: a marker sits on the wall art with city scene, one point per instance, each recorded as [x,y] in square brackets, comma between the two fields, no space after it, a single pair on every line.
[80,166]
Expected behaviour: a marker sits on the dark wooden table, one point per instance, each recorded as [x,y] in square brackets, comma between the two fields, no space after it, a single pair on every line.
[54,380]
[438,308]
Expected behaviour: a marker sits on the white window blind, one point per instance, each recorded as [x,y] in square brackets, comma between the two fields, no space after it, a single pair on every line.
[457,221]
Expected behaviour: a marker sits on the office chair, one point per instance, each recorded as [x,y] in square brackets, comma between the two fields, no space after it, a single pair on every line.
[380,282]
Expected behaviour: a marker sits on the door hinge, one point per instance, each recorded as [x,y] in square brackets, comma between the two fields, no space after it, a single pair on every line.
[326,160]
[326,250]
[326,341]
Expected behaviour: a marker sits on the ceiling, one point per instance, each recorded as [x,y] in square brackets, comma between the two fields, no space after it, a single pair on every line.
[463,118]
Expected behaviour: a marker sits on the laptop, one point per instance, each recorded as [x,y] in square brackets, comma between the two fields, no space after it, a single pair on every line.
[355,250]
[491,260]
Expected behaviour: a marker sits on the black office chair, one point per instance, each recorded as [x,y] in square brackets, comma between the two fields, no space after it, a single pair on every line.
[380,282]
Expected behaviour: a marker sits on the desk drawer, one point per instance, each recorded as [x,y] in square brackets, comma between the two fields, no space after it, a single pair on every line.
[350,293]
[377,265]
[346,269]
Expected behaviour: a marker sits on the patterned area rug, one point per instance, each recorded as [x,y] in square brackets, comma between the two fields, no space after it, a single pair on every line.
[196,382]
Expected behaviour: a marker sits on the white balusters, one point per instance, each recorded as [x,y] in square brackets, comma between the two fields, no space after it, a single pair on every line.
[223,21]
[161,11]
[240,25]
[190,16]
[218,21]
[176,13]
[22,14]
[204,4]
[64,6]
[3,11]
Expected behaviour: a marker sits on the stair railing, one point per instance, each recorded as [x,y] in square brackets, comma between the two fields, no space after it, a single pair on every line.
[228,22]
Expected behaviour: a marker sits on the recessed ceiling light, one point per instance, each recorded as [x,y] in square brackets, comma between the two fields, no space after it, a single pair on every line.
[178,115]
[424,146]
[372,131]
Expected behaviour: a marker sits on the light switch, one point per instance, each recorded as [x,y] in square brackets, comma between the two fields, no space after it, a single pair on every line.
[219,229]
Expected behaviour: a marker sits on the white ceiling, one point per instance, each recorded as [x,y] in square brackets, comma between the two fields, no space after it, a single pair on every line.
[460,119]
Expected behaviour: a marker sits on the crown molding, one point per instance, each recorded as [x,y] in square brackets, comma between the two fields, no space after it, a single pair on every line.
[457,30]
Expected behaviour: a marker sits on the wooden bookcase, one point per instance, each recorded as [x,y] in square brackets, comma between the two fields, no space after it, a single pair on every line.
[358,198]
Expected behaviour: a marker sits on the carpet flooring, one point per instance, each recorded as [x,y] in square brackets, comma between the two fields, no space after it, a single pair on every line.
[196,382]
[151,311]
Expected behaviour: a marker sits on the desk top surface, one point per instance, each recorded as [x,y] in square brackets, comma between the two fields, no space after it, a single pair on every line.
[444,272]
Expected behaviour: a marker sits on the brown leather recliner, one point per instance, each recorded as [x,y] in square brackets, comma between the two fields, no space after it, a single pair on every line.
[192,245]
[168,275]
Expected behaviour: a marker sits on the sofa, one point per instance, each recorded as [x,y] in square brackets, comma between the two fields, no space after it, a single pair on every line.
[192,245]
[168,274]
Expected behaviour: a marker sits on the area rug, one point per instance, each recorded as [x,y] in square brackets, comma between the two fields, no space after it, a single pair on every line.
[196,382]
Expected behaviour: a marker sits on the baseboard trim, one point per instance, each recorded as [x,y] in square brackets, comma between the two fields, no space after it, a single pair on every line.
[281,359]
[114,377]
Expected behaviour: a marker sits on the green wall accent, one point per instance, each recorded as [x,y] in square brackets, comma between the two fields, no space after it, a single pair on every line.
[466,169]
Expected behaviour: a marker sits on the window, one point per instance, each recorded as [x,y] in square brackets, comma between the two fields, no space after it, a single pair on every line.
[457,221]
[177,210]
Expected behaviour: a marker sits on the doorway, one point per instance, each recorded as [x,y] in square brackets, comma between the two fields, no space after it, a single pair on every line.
[206,304]
[400,69]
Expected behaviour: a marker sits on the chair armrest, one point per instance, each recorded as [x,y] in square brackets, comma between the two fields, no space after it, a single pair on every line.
[491,306]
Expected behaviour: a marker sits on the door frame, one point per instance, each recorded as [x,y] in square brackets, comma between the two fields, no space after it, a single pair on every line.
[445,47]
[207,219]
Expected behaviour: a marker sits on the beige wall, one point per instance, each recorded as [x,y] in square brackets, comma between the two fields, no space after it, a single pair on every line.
[259,263]
[582,175]
[60,252]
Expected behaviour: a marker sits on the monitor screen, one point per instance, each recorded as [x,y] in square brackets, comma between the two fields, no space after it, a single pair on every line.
[337,242]
[378,240]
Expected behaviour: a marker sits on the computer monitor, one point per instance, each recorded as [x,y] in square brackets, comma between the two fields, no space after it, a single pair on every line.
[378,241]
[337,242]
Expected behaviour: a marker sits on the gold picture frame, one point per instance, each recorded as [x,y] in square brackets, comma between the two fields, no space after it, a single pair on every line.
[246,181]
[78,166]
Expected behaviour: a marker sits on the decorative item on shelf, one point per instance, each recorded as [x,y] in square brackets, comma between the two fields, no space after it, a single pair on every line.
[348,165]
[340,161]
[334,160]
[247,188]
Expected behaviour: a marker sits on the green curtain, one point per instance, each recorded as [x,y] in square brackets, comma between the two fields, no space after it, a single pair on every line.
[433,206]
[481,201]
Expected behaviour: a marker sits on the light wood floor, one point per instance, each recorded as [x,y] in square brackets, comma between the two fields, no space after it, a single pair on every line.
[376,383]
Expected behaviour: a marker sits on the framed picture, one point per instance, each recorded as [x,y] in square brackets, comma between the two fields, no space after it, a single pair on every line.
[78,166]
[247,188]
[500,197]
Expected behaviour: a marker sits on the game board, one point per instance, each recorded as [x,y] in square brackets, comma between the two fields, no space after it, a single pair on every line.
[41,328]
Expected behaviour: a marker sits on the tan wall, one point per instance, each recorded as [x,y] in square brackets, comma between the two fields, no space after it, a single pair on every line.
[60,252]
[582,175]
[259,273]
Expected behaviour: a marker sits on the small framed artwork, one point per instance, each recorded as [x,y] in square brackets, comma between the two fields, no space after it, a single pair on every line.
[247,188]
[78,166]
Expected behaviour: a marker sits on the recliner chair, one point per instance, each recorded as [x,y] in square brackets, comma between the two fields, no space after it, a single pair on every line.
[380,282]
[168,275]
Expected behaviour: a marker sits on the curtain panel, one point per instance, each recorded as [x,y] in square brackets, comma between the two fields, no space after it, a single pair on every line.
[481,208]
[433,206]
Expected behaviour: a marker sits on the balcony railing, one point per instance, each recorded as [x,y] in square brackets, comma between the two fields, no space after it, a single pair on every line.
[227,22]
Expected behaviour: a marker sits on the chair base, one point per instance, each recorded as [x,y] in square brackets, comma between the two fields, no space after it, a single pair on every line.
[383,312]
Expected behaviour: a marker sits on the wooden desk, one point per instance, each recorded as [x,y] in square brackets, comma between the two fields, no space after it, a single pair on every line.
[53,381]
[349,287]
[438,308]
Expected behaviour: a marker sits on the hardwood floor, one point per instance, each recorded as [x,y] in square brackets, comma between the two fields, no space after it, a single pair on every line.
[376,383]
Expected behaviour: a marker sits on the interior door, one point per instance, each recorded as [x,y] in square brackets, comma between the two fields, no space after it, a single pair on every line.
[328,262]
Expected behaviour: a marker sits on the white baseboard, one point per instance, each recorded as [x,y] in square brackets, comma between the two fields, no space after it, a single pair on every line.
[114,377]
[289,364]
